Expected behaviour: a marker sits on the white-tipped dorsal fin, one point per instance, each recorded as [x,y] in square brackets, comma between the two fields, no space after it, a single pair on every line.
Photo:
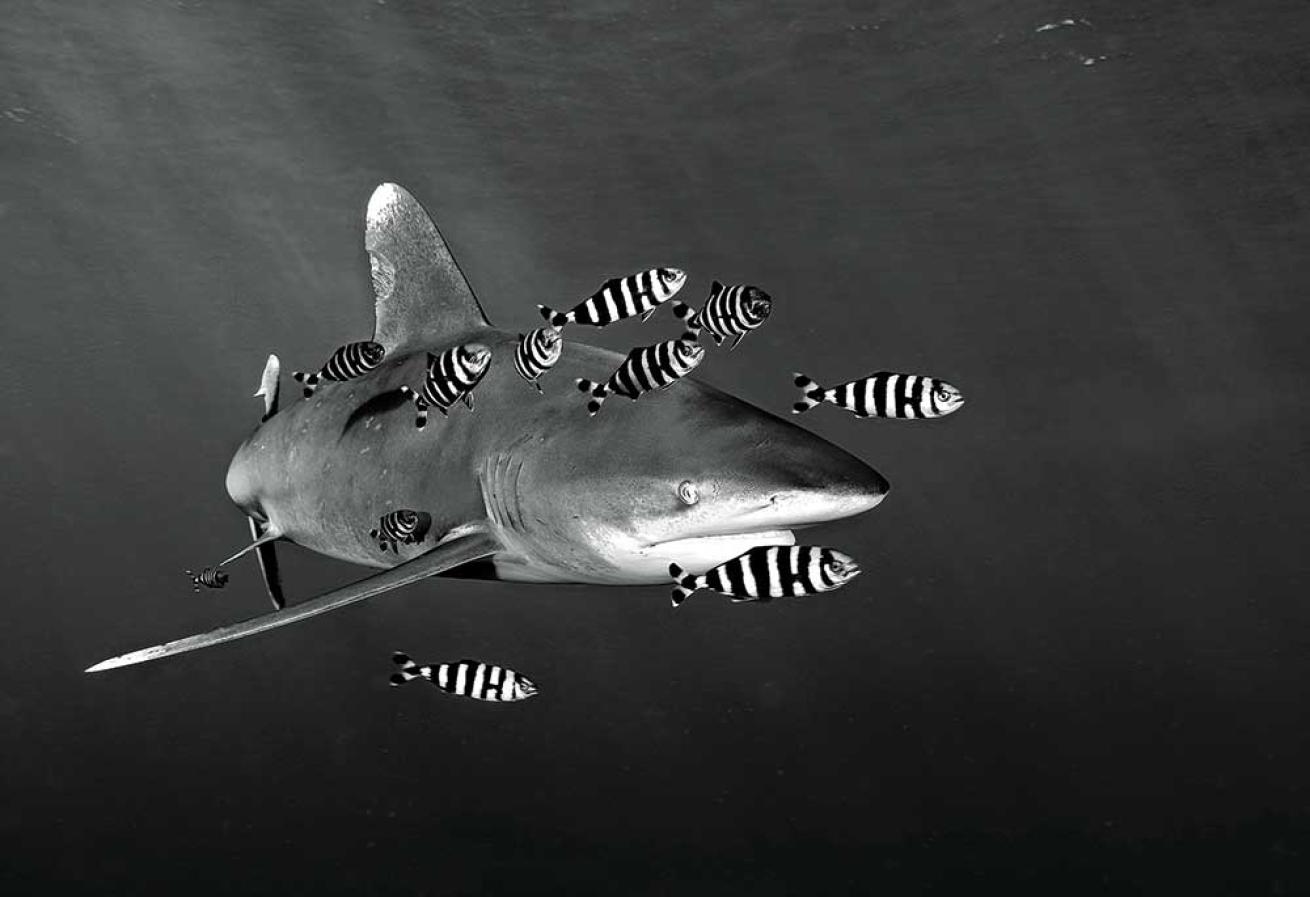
[269,384]
[421,296]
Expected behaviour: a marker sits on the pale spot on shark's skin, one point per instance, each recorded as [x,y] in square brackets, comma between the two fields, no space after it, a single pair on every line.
[384,275]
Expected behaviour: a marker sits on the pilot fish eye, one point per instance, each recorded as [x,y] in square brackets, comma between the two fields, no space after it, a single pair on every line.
[687,492]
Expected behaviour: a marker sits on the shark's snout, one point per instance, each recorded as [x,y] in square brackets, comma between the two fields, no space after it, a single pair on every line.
[824,483]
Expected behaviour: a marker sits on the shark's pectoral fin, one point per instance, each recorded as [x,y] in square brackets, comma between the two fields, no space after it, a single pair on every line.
[444,557]
[266,552]
[468,400]
[268,386]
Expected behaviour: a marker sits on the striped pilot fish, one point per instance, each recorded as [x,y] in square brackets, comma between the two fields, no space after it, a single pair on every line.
[402,527]
[350,361]
[883,394]
[770,571]
[467,678]
[645,369]
[729,311]
[621,297]
[210,578]
[451,376]
[537,353]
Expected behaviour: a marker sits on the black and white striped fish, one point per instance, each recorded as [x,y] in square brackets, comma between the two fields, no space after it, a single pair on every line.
[537,353]
[729,311]
[467,679]
[350,361]
[883,394]
[770,571]
[645,369]
[450,377]
[402,527]
[210,578]
[621,297]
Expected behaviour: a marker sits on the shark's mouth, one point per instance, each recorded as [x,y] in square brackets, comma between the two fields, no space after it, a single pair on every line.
[700,553]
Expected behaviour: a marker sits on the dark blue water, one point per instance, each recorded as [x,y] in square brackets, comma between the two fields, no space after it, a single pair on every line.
[1078,660]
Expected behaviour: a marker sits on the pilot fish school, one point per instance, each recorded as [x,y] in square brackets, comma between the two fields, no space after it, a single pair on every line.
[420,296]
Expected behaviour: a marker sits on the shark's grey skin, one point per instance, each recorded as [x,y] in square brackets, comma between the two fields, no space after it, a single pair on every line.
[529,484]
[572,498]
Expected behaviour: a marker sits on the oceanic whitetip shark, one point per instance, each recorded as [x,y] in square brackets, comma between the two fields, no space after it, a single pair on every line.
[527,488]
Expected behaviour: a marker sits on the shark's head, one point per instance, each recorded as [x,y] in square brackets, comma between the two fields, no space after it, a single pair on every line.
[690,476]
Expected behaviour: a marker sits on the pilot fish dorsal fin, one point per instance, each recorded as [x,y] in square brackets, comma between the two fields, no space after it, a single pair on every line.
[421,296]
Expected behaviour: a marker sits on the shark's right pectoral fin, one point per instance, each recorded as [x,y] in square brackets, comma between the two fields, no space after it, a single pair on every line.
[269,385]
[444,557]
[266,552]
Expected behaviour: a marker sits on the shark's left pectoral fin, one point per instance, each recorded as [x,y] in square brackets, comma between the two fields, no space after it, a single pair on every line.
[444,557]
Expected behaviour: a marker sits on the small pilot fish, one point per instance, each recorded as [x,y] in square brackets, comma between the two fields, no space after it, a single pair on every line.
[621,297]
[645,369]
[210,578]
[729,311]
[404,527]
[883,394]
[537,353]
[451,376]
[770,571]
[350,361]
[467,679]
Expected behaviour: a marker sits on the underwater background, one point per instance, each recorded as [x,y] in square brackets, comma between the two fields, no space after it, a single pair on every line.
[1079,658]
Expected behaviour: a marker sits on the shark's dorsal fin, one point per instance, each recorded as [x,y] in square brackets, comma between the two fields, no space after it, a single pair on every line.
[421,296]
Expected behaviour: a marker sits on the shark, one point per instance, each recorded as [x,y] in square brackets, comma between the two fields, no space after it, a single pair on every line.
[524,487]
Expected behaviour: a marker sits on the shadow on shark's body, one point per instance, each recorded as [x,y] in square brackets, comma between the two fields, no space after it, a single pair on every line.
[528,487]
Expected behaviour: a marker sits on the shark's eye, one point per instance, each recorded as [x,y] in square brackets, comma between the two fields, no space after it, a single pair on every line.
[687,492]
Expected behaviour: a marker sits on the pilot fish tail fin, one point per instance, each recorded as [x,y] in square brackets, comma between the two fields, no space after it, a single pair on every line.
[310,381]
[554,318]
[683,584]
[420,405]
[599,392]
[812,393]
[685,313]
[409,670]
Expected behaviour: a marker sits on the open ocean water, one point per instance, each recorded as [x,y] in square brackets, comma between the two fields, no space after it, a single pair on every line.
[1078,661]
